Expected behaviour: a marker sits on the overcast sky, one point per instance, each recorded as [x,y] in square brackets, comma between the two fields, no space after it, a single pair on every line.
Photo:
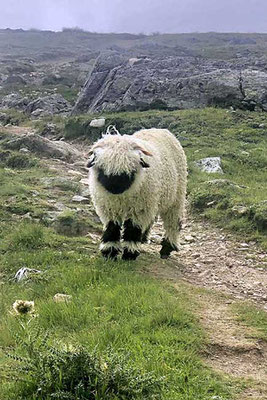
[137,16]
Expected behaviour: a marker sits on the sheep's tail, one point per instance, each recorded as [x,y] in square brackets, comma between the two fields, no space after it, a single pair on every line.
[112,130]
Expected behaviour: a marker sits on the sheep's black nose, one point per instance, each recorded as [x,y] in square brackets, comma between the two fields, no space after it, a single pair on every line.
[116,184]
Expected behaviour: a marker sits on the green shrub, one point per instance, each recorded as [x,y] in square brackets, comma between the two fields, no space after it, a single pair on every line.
[17,160]
[258,213]
[47,372]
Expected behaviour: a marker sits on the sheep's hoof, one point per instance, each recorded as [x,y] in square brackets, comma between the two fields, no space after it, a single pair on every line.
[166,248]
[110,254]
[129,255]
[164,256]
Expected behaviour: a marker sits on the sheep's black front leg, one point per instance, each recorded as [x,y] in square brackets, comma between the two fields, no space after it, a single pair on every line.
[132,236]
[110,242]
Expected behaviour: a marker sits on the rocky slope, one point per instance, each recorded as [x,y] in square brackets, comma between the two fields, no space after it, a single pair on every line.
[117,82]
[123,71]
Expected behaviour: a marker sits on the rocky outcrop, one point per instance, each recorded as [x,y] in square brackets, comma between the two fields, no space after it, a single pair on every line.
[48,105]
[41,106]
[170,82]
[44,147]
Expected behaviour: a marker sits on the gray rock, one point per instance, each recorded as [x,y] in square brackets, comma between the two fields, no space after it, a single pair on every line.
[240,210]
[24,150]
[170,82]
[97,123]
[80,199]
[210,165]
[44,147]
[48,105]
[14,100]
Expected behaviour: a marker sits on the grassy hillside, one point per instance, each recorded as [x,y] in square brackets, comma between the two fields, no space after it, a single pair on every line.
[237,201]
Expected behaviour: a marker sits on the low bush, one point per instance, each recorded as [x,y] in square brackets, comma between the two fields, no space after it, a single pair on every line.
[46,372]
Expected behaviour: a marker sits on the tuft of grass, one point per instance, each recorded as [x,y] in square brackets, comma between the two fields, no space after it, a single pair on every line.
[252,316]
[27,236]
[20,161]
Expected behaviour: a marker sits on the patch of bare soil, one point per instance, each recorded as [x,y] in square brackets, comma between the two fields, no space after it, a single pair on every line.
[210,258]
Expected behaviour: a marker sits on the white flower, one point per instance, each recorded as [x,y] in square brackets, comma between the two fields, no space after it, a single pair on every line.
[23,307]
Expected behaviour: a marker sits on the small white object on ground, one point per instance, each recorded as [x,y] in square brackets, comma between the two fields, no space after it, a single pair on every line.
[80,199]
[23,273]
[210,165]
[97,123]
[62,298]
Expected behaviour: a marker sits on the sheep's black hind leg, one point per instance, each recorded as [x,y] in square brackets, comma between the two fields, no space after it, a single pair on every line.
[110,242]
[166,248]
[132,236]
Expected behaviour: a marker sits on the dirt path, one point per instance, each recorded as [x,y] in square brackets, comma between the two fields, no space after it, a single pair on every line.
[210,258]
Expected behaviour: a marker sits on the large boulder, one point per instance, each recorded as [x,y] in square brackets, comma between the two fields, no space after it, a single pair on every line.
[117,82]
[44,147]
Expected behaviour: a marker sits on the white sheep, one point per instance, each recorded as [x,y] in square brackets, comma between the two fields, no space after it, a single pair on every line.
[132,180]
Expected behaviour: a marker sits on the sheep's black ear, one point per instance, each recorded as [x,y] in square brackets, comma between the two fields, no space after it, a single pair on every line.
[144,164]
[91,161]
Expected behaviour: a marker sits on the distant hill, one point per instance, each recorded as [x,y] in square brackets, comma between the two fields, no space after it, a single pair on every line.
[166,70]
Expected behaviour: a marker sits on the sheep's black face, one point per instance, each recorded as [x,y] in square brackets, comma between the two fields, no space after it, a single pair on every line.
[116,184]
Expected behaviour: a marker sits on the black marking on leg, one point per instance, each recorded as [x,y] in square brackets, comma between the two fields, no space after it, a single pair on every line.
[133,234]
[179,224]
[145,235]
[112,232]
[166,248]
[110,253]
[129,254]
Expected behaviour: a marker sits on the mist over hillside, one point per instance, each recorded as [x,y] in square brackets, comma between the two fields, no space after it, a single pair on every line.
[168,71]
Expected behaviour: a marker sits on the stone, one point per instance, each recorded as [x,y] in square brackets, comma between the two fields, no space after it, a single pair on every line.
[24,150]
[97,123]
[44,147]
[189,238]
[80,199]
[240,210]
[62,298]
[14,100]
[48,105]
[210,165]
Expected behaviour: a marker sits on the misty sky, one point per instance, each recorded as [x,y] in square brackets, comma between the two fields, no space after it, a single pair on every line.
[137,16]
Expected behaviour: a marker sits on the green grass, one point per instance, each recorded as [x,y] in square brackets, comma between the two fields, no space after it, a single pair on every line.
[239,138]
[252,316]
[114,307]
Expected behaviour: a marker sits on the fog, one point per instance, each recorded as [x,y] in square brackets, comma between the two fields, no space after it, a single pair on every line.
[137,16]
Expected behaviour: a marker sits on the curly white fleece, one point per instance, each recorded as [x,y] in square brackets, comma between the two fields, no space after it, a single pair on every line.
[157,190]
